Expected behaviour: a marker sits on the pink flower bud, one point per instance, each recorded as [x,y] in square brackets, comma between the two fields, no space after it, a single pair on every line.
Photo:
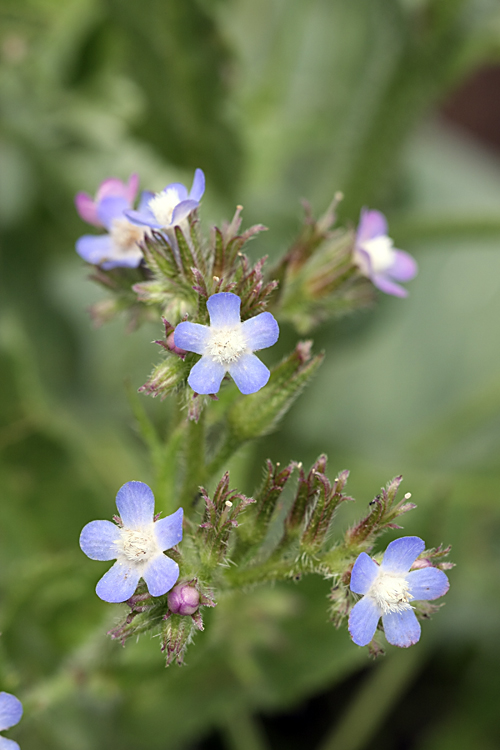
[183,599]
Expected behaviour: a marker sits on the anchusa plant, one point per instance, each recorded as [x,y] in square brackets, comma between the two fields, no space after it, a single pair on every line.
[217,308]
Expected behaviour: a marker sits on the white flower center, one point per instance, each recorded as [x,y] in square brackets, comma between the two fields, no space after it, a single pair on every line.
[390,593]
[138,545]
[381,252]
[226,345]
[125,236]
[163,204]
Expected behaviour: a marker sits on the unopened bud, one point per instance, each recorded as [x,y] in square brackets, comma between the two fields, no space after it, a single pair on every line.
[183,599]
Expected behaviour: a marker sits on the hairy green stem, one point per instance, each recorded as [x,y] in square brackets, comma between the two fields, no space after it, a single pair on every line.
[243,732]
[194,463]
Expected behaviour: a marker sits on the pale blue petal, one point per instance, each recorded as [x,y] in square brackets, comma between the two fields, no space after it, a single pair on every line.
[198,187]
[118,584]
[178,188]
[6,744]
[98,540]
[94,248]
[401,554]
[182,211]
[404,267]
[249,373]
[192,337]
[224,309]
[371,224]
[11,710]
[144,218]
[386,285]
[168,530]
[131,260]
[146,196]
[401,628]
[135,502]
[363,621]
[261,331]
[206,376]
[427,583]
[111,208]
[363,573]
[161,575]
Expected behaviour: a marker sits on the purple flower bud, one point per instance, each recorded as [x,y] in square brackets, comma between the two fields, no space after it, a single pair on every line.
[183,599]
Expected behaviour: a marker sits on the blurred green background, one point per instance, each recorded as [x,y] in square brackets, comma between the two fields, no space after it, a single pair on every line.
[276,100]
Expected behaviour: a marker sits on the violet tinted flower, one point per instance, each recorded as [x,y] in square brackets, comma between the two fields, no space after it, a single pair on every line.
[227,345]
[376,257]
[171,206]
[137,545]
[119,247]
[388,591]
[11,711]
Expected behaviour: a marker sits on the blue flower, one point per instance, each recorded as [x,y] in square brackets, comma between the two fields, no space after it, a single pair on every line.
[11,710]
[119,247]
[171,206]
[227,345]
[137,544]
[388,590]
[376,257]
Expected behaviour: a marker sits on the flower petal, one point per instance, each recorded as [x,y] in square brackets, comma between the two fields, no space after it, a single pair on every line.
[427,583]
[224,309]
[192,337]
[363,621]
[135,502]
[98,540]
[6,744]
[94,248]
[87,209]
[404,267]
[261,331]
[143,217]
[179,189]
[363,574]
[160,575]
[132,188]
[112,186]
[118,584]
[384,283]
[401,628]
[182,211]
[249,373]
[11,710]
[131,260]
[168,531]
[371,224]
[401,554]
[206,376]
[146,197]
[111,208]
[198,187]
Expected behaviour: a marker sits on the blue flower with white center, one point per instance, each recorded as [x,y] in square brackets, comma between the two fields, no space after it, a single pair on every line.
[11,710]
[376,257]
[171,206]
[227,345]
[137,545]
[388,591]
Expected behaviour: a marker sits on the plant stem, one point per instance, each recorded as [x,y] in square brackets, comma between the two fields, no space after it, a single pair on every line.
[243,732]
[194,462]
[375,700]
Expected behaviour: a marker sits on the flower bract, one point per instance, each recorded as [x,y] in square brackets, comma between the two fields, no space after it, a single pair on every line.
[376,257]
[389,590]
[119,247]
[11,710]
[227,345]
[171,206]
[137,545]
